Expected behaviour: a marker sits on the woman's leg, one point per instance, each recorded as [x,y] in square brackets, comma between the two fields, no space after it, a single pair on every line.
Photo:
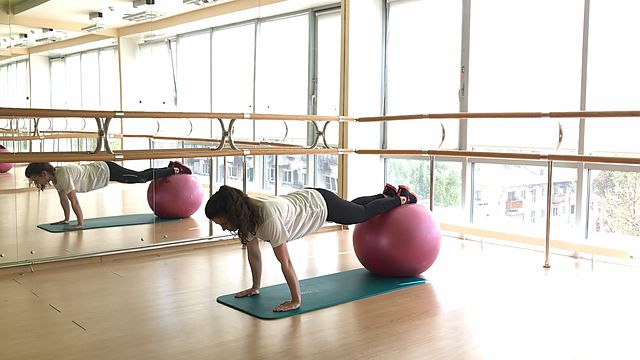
[128,176]
[364,200]
[347,212]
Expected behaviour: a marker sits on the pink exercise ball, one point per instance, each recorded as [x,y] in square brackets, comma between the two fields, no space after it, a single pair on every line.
[402,242]
[175,196]
[4,167]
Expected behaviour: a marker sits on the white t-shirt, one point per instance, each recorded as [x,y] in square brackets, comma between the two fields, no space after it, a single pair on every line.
[289,217]
[82,178]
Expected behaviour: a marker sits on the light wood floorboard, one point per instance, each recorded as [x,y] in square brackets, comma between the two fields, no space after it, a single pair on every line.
[488,302]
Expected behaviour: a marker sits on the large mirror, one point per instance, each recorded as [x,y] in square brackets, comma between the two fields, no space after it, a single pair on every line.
[155,56]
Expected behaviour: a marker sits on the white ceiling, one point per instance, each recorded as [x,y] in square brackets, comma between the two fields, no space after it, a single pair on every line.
[68,17]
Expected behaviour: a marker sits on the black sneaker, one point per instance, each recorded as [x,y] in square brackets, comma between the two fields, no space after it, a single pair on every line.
[390,190]
[405,192]
[182,168]
[171,164]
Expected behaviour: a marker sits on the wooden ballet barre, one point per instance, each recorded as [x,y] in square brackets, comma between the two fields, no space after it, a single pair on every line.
[486,154]
[594,114]
[596,159]
[202,140]
[505,115]
[505,155]
[48,137]
[492,115]
[392,152]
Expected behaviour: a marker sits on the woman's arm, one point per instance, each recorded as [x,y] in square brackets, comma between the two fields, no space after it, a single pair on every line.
[255,263]
[64,202]
[75,205]
[282,254]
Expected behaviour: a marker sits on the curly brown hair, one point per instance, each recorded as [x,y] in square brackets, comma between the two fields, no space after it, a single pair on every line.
[37,169]
[237,208]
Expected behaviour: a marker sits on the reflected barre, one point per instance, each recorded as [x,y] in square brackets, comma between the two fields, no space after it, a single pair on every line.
[28,157]
[103,120]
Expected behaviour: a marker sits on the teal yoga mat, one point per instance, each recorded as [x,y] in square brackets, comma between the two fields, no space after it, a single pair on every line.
[108,221]
[319,292]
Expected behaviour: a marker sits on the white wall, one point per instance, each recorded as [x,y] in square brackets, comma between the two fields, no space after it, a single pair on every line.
[365,172]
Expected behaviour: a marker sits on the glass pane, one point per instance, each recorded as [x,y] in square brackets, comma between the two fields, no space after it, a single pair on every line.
[232,83]
[418,81]
[517,63]
[614,207]
[328,64]
[448,191]
[73,82]
[292,173]
[58,87]
[109,80]
[611,85]
[513,198]
[232,76]
[193,85]
[327,172]
[411,173]
[282,75]
[90,80]
[234,171]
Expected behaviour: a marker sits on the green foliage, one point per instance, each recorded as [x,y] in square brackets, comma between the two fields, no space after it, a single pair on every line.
[415,173]
[618,198]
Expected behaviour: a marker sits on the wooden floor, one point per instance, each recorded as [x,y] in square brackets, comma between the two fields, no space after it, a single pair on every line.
[490,302]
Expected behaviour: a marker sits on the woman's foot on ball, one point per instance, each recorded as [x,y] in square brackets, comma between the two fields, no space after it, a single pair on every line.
[390,190]
[406,195]
[182,168]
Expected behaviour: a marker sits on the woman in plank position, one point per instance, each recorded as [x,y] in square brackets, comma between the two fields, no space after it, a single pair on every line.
[279,219]
[71,179]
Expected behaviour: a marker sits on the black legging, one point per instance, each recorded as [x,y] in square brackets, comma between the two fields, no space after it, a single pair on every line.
[128,176]
[357,210]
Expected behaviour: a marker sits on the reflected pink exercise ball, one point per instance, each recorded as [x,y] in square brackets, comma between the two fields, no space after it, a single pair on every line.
[175,196]
[402,242]
[4,167]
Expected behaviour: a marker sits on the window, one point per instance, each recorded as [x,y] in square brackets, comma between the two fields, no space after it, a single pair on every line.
[282,71]
[331,183]
[610,84]
[418,81]
[511,69]
[232,171]
[14,84]
[232,76]
[287,177]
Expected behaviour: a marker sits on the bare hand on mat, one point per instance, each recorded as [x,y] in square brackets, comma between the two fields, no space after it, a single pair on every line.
[248,292]
[287,305]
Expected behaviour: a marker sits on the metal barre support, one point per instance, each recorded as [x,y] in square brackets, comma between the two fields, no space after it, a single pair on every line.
[226,134]
[103,135]
[547,239]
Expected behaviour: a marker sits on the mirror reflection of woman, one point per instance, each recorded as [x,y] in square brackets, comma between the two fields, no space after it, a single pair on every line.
[71,179]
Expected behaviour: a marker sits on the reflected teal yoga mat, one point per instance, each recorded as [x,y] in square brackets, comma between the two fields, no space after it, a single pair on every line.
[319,292]
[108,221]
